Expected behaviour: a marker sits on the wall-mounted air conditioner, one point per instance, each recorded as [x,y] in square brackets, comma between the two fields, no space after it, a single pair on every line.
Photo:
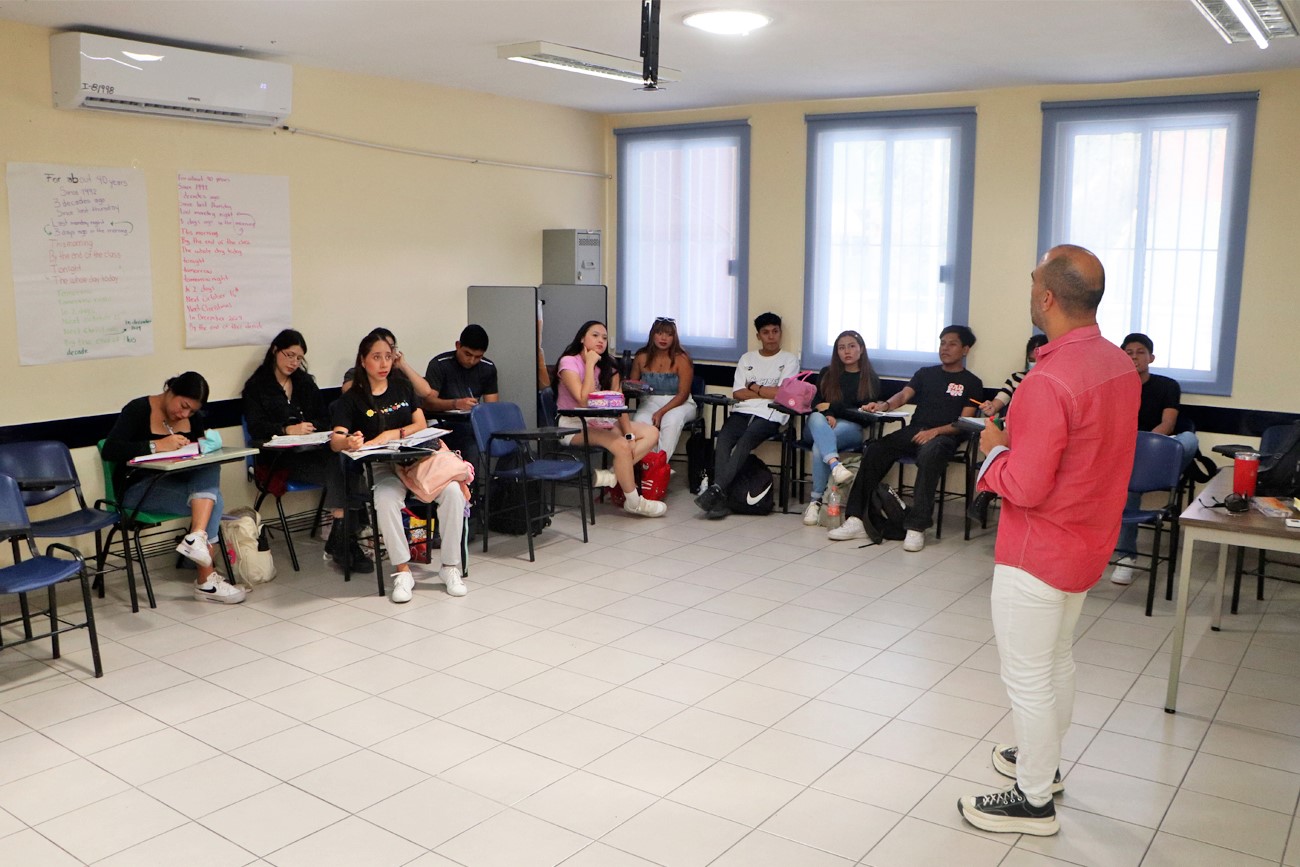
[109,74]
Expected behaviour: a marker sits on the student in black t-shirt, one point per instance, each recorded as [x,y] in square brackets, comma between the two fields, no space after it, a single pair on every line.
[458,381]
[380,408]
[941,393]
[1158,413]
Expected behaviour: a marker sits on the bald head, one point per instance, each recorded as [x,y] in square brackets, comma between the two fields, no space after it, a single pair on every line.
[1075,277]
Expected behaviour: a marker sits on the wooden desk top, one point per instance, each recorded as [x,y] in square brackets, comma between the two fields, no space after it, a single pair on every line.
[1197,513]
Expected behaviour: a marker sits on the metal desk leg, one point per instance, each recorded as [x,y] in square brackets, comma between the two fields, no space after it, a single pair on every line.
[1180,619]
[1216,617]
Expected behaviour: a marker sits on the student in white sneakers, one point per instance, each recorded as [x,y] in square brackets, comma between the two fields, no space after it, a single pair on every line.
[163,423]
[848,382]
[585,366]
[379,408]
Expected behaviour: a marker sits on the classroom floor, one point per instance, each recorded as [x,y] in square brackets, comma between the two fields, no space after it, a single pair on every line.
[676,692]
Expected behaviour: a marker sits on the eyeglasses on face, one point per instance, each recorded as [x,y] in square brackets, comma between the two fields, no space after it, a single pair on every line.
[292,356]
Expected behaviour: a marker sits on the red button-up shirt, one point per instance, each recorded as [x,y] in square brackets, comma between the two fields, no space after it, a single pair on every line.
[1072,430]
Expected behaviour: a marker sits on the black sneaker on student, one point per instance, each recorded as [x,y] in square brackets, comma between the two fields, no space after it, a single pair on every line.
[710,499]
[1009,812]
[1004,762]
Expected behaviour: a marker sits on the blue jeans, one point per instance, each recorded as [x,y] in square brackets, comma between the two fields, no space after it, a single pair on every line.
[1128,533]
[828,440]
[173,492]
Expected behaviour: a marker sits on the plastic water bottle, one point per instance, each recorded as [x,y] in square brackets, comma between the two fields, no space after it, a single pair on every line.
[834,503]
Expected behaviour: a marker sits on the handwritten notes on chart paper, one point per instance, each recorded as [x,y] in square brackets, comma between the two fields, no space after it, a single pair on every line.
[80,242]
[235,267]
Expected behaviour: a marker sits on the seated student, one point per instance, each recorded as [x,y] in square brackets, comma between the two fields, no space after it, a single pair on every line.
[664,366]
[401,367]
[458,380]
[848,382]
[1000,401]
[381,407]
[758,375]
[281,398]
[1158,412]
[941,394]
[162,423]
[585,366]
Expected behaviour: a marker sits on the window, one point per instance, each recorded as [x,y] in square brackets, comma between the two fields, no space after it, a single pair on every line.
[683,235]
[1157,188]
[889,225]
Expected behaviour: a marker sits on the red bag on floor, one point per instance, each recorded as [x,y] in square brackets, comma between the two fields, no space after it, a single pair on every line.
[654,475]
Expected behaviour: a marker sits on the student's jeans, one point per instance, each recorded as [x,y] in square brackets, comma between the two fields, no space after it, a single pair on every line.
[828,440]
[670,428]
[931,463]
[172,493]
[390,499]
[1033,623]
[1128,533]
[739,436]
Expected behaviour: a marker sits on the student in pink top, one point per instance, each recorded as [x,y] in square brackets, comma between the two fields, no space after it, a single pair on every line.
[585,366]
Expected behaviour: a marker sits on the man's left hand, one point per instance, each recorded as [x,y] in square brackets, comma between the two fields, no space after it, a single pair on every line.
[926,435]
[992,436]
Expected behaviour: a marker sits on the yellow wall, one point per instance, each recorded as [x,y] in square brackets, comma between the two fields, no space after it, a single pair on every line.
[1005,233]
[378,238]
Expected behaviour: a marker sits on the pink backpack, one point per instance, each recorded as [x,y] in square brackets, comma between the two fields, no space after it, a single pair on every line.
[427,477]
[797,393]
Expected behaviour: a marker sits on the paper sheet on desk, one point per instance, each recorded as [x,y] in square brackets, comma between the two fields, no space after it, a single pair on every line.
[289,441]
[189,451]
[427,435]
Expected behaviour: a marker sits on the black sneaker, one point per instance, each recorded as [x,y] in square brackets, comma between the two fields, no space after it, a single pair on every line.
[1004,762]
[358,559]
[979,507]
[1009,812]
[719,511]
[334,547]
[710,499]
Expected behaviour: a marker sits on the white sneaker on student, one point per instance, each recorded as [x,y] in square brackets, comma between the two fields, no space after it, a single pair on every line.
[812,514]
[852,528]
[914,541]
[603,479]
[403,584]
[450,576]
[636,504]
[841,474]
[1123,573]
[195,547]
[217,590]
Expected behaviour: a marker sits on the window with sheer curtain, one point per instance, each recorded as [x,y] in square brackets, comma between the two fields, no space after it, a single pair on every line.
[683,226]
[1158,189]
[888,232]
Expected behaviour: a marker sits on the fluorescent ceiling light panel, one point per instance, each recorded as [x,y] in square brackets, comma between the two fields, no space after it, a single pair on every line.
[578,60]
[1247,20]
[727,22]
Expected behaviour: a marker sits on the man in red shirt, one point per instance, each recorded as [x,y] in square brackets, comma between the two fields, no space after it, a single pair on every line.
[1062,468]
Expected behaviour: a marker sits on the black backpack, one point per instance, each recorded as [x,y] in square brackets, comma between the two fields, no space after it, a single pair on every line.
[1279,473]
[884,515]
[751,490]
[697,459]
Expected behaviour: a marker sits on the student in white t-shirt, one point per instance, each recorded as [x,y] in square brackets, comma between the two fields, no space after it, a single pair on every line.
[758,375]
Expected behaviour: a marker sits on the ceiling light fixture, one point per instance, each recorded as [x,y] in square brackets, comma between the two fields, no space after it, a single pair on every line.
[727,22]
[1247,20]
[579,60]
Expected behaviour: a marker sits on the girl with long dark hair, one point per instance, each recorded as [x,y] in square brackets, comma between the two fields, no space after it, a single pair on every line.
[847,382]
[665,367]
[586,366]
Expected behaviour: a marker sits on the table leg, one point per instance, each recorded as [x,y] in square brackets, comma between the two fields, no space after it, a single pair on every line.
[1216,617]
[1180,619]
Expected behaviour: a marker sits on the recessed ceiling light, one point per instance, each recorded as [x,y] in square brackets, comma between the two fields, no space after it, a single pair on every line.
[727,22]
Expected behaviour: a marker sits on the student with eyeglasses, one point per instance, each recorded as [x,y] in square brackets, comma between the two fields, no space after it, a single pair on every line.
[163,423]
[282,399]
[664,366]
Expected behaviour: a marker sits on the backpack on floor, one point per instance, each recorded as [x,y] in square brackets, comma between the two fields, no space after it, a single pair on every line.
[697,459]
[1279,473]
[884,515]
[751,491]
[249,547]
[825,519]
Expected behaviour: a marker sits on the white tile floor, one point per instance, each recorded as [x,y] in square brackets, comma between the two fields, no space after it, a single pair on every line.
[676,692]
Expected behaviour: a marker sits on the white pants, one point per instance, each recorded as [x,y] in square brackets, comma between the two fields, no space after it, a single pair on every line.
[670,429]
[390,498]
[1034,625]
